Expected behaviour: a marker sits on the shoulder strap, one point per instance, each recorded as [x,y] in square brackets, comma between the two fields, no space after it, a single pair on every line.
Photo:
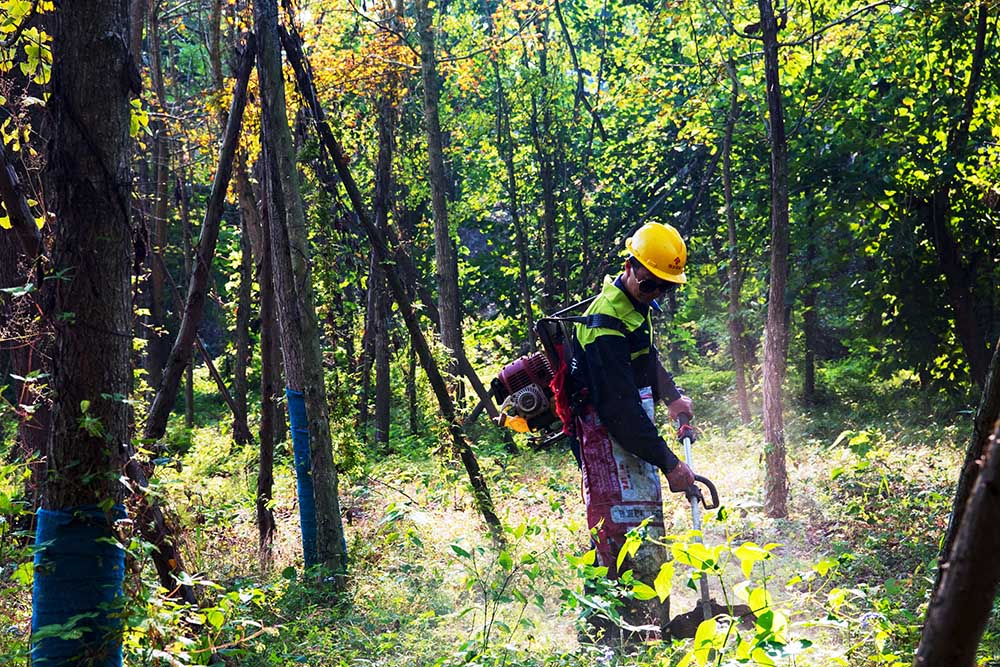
[594,321]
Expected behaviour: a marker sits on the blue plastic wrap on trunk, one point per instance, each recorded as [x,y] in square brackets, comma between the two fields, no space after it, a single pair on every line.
[299,426]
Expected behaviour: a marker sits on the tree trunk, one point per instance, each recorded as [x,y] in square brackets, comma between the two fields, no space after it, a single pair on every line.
[461,446]
[270,377]
[810,326]
[411,389]
[735,322]
[78,572]
[157,346]
[243,347]
[505,146]
[961,606]
[304,369]
[183,206]
[367,350]
[382,315]
[776,331]
[987,415]
[446,264]
[180,355]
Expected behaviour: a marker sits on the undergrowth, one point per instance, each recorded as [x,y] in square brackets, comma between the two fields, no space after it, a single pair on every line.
[842,581]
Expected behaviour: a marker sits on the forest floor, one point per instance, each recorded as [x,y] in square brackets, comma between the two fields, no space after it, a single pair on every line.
[870,491]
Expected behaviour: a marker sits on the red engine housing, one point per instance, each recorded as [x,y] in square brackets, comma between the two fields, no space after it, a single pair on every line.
[533,369]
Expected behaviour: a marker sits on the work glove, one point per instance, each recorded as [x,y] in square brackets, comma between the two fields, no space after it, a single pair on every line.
[680,478]
[680,406]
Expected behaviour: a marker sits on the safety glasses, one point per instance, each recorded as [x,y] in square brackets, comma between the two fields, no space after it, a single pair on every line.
[651,285]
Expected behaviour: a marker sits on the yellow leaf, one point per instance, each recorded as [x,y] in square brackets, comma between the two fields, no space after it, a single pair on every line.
[664,580]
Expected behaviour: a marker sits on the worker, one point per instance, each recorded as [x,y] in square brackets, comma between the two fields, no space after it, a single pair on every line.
[620,450]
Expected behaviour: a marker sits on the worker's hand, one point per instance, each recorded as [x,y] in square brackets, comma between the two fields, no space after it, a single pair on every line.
[680,406]
[686,431]
[680,478]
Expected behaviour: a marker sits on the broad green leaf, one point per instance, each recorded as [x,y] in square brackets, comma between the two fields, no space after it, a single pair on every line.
[506,561]
[216,618]
[643,591]
[664,580]
[704,640]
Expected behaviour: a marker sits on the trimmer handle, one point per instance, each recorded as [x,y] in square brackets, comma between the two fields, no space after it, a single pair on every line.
[684,428]
[694,493]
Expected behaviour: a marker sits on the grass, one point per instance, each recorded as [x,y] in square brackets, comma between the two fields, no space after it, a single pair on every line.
[427,587]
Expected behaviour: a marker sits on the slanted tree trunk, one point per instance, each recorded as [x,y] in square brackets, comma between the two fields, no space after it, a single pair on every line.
[180,354]
[78,573]
[969,573]
[446,264]
[461,446]
[367,349]
[776,329]
[299,332]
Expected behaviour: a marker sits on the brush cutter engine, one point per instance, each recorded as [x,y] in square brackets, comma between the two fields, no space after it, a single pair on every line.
[525,398]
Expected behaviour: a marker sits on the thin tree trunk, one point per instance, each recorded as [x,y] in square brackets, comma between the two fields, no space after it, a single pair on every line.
[304,369]
[383,196]
[449,306]
[461,446]
[776,331]
[411,389]
[157,346]
[243,348]
[367,350]
[270,377]
[89,180]
[180,355]
[810,326]
[505,146]
[735,322]
[182,205]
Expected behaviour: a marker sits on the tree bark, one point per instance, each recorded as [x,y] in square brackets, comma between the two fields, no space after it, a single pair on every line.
[461,446]
[961,606]
[987,415]
[382,319]
[157,345]
[180,355]
[270,377]
[776,331]
[735,275]
[242,342]
[810,325]
[446,264]
[91,310]
[505,146]
[300,334]
[185,211]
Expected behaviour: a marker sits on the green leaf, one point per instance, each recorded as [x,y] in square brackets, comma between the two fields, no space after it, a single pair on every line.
[506,562]
[216,618]
[704,640]
[664,581]
[288,573]
[642,591]
[460,551]
[24,574]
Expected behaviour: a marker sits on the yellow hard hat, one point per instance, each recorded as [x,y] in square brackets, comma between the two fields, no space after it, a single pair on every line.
[660,249]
